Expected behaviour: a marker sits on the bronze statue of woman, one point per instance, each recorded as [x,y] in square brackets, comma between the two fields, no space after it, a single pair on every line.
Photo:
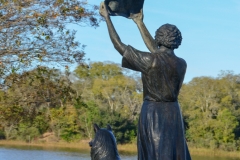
[160,126]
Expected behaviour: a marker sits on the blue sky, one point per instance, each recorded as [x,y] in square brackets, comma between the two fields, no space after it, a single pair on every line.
[210,30]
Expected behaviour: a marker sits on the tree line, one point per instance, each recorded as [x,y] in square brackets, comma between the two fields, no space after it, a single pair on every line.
[35,32]
[211,110]
[68,104]
[35,99]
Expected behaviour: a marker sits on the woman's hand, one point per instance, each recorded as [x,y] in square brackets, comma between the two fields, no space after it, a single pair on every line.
[103,10]
[137,17]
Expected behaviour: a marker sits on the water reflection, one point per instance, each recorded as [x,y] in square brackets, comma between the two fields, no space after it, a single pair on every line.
[19,154]
[32,153]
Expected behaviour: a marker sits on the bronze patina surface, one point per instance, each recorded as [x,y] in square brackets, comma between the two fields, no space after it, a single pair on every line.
[124,7]
[160,127]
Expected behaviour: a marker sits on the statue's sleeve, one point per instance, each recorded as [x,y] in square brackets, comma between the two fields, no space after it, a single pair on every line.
[137,60]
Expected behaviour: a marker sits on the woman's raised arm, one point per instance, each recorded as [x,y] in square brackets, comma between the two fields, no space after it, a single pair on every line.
[147,38]
[118,45]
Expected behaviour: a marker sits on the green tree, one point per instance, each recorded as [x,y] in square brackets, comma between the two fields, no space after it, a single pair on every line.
[230,94]
[27,132]
[211,109]
[106,84]
[10,117]
[88,114]
[117,97]
[63,121]
[39,87]
[224,131]
[101,70]
[35,32]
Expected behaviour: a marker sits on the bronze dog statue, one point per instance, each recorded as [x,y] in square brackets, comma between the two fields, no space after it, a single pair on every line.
[104,145]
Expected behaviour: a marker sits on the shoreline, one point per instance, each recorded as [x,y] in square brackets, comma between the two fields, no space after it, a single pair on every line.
[126,149]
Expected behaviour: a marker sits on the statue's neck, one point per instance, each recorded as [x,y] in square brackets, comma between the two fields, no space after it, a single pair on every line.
[163,49]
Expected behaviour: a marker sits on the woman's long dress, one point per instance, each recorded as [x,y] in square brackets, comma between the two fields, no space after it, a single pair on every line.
[160,127]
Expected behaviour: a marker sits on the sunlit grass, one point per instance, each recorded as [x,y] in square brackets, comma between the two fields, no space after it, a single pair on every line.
[81,146]
[123,149]
[132,149]
[214,152]
[127,149]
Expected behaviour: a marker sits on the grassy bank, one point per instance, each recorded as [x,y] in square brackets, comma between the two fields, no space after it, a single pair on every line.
[82,146]
[216,152]
[123,149]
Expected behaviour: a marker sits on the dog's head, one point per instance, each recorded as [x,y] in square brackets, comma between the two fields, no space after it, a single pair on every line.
[104,145]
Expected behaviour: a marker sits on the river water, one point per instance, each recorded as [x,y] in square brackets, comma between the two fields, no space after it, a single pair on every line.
[8,153]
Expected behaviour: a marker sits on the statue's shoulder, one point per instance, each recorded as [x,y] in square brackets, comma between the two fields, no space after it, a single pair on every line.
[182,62]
